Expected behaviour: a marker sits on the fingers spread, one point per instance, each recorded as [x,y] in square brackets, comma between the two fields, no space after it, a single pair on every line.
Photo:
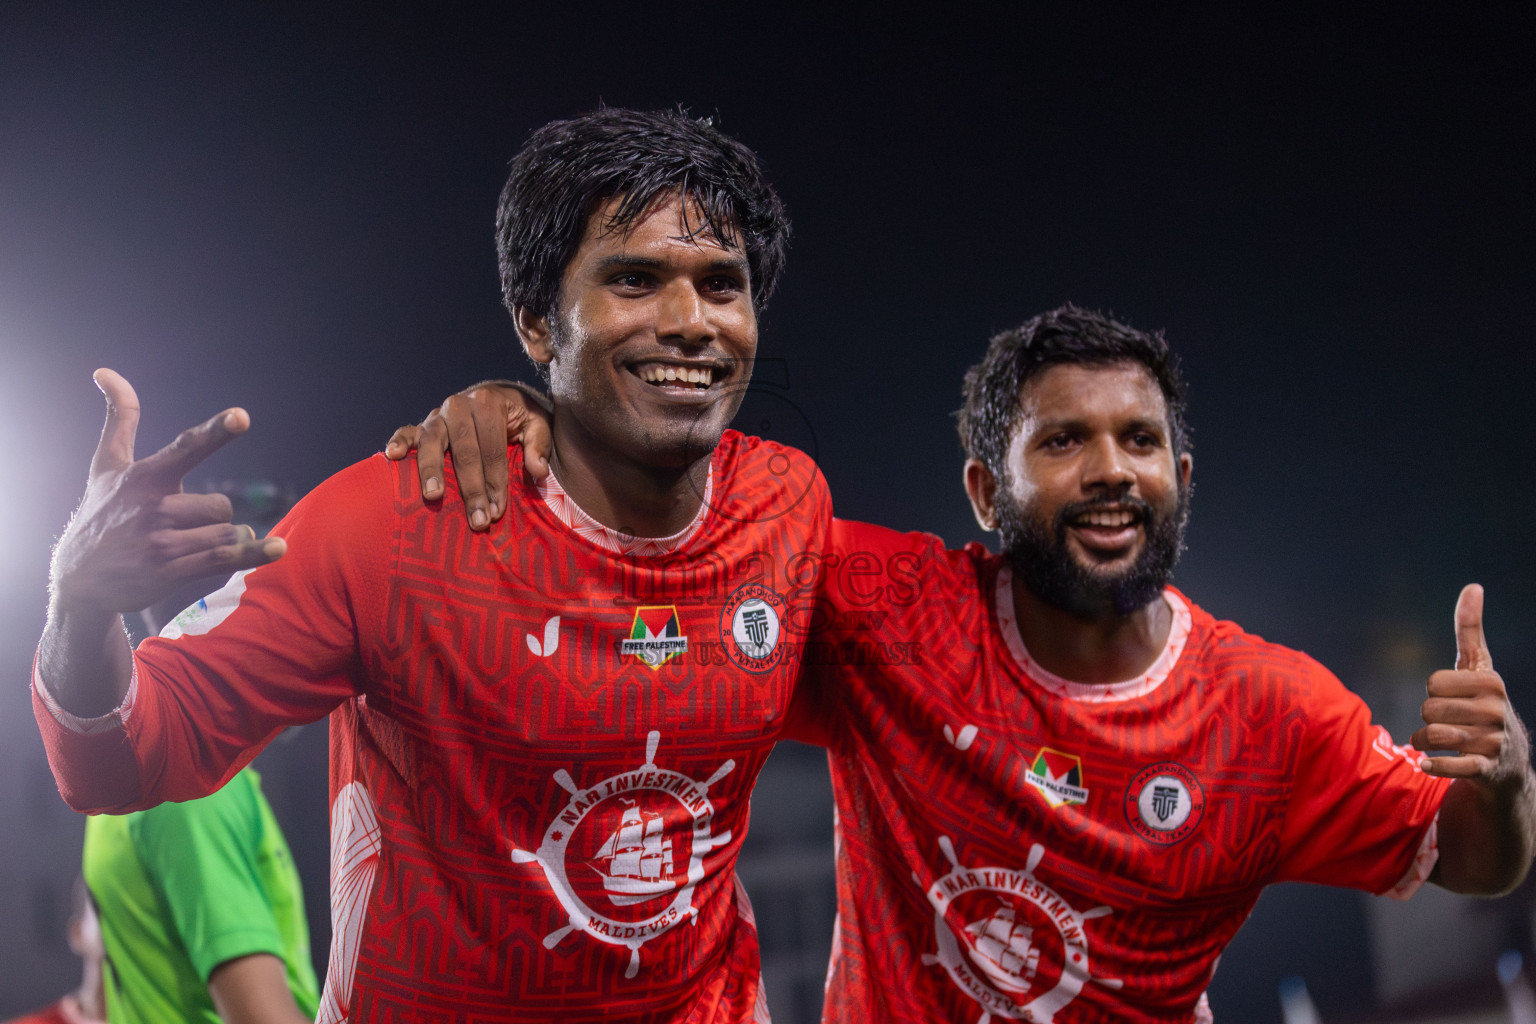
[431,443]
[195,444]
[181,511]
[170,545]
[464,439]
[489,411]
[115,449]
[401,442]
[538,442]
[226,558]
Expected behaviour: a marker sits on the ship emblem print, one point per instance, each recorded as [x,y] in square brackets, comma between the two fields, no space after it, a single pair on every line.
[635,862]
[1009,941]
[625,853]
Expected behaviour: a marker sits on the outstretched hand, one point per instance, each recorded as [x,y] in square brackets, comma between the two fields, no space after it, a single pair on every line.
[1468,710]
[136,536]
[476,425]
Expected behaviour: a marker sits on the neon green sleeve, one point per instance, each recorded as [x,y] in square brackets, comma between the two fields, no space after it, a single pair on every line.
[203,854]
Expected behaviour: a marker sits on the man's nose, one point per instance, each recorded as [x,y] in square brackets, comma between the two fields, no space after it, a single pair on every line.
[682,315]
[1106,464]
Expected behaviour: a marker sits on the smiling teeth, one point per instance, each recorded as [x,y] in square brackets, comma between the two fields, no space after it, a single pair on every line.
[1120,518]
[655,373]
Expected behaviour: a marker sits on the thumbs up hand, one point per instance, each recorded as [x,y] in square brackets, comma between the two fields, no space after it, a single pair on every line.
[1468,711]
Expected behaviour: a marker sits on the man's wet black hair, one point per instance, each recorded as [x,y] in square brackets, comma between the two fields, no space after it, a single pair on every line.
[568,169]
[1066,335]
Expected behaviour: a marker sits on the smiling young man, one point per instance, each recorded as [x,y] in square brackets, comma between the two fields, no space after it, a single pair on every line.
[537,796]
[1066,807]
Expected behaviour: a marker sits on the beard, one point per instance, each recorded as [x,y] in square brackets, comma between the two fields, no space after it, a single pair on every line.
[1037,550]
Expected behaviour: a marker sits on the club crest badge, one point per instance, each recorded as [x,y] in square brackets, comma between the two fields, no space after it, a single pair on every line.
[625,853]
[1009,941]
[1164,803]
[751,624]
[655,637]
[1058,777]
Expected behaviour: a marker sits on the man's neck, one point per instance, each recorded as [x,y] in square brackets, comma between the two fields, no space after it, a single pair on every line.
[642,501]
[1096,651]
[89,999]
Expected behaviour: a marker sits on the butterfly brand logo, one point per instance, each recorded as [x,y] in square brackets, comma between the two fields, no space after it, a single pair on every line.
[551,639]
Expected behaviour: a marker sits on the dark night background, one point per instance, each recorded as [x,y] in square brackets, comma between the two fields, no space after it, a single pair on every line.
[1331,213]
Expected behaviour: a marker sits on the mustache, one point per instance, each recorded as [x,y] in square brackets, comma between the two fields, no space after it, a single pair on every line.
[1144,511]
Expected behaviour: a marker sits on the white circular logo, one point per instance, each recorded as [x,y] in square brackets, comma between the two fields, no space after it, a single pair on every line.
[753,617]
[1164,803]
[624,854]
[755,628]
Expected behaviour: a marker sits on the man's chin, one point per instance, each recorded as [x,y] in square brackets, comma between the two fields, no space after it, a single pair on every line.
[675,446]
[1110,568]
[1090,590]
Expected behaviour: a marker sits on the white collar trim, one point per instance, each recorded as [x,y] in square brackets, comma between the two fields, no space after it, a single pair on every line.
[574,516]
[1090,693]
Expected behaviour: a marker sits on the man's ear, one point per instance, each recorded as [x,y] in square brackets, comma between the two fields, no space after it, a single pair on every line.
[534,332]
[981,486]
[1186,469]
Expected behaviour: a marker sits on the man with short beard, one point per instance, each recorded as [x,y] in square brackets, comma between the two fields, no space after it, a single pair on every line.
[1069,808]
[1066,804]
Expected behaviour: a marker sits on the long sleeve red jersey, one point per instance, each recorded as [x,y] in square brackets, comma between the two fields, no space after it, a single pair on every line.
[543,737]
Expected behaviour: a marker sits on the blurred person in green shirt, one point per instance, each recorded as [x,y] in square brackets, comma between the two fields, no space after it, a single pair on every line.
[201,912]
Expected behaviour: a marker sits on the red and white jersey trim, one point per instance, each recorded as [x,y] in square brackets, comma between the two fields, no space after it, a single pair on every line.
[744,912]
[1423,863]
[574,516]
[114,719]
[355,845]
[1088,693]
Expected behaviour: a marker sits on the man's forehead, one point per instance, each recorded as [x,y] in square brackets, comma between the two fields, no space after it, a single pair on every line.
[1076,391]
[667,219]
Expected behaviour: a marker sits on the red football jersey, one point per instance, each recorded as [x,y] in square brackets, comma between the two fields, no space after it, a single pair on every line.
[1016,846]
[543,738]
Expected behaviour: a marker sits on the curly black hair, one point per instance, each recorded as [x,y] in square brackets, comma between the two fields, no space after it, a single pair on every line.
[1065,335]
[568,169]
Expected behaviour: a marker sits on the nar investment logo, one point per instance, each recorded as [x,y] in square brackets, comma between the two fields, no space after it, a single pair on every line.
[1008,940]
[625,853]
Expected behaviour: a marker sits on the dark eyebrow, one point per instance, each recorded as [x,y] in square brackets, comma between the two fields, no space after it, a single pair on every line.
[1149,426]
[624,261]
[1070,423]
